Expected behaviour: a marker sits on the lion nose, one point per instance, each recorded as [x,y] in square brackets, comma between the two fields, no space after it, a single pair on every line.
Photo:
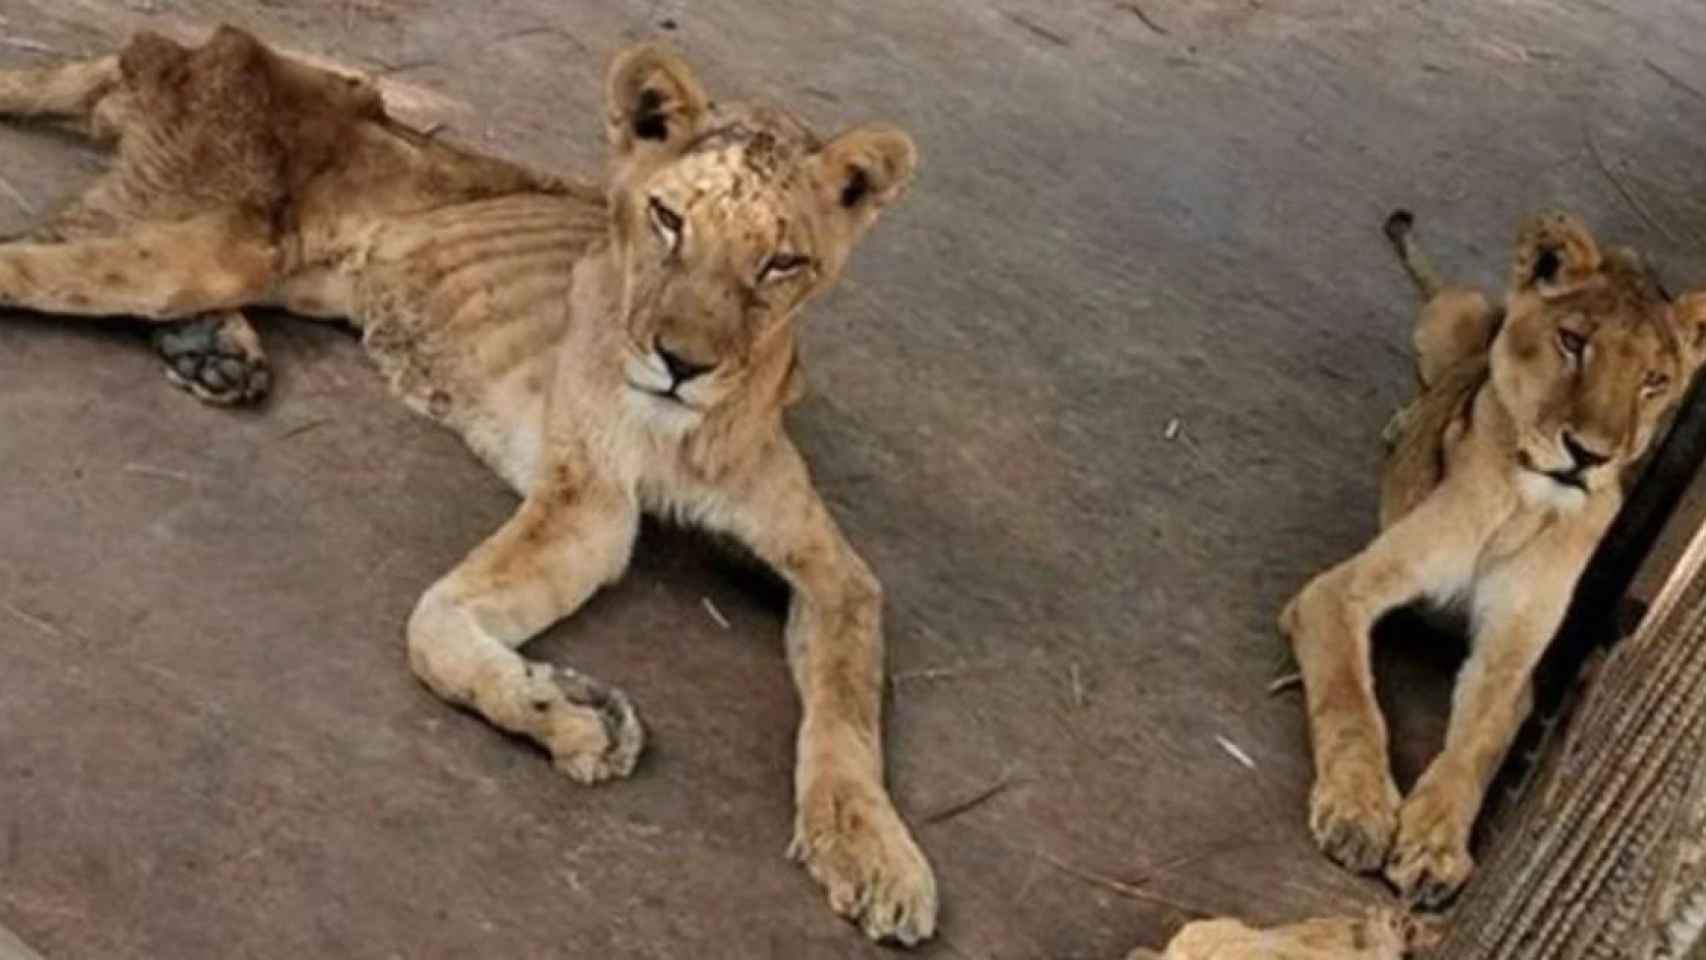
[680,368]
[1584,458]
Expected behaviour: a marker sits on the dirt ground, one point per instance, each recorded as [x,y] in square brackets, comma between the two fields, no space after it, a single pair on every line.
[1093,401]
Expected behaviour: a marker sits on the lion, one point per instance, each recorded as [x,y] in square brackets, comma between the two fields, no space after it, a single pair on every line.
[1503,475]
[608,351]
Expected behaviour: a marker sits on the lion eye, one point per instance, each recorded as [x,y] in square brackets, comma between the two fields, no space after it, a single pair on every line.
[1654,383]
[666,222]
[781,265]
[1571,344]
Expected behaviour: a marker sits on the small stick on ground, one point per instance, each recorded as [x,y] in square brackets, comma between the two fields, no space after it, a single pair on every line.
[936,673]
[17,196]
[974,801]
[1236,752]
[1139,13]
[1623,189]
[33,620]
[1078,697]
[716,615]
[1281,684]
[303,428]
[144,470]
[1038,30]
[1121,888]
[25,43]
[1681,84]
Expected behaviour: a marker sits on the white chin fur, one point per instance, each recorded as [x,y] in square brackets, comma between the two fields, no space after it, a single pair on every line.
[1538,490]
[662,413]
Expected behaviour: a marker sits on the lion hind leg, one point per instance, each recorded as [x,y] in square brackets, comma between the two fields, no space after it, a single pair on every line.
[1455,322]
[217,358]
[152,271]
[1454,326]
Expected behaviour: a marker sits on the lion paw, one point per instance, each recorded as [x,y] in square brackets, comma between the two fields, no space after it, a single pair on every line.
[1353,813]
[854,844]
[591,729]
[1430,860]
[217,358]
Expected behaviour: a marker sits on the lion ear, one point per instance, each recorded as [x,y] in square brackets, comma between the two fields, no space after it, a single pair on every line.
[1690,312]
[1555,254]
[862,171]
[652,101]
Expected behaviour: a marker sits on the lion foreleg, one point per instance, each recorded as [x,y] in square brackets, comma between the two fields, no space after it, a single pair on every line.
[1517,610]
[1354,801]
[847,831]
[558,549]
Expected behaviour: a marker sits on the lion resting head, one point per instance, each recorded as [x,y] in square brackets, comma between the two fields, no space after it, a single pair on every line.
[1590,357]
[724,224]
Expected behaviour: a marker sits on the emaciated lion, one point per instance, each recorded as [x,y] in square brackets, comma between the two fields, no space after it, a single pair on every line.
[609,351]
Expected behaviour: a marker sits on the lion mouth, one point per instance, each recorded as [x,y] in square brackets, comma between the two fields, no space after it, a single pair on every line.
[1566,477]
[667,396]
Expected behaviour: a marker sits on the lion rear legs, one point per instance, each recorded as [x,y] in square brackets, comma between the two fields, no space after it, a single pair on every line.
[1455,322]
[199,271]
[151,271]
[560,547]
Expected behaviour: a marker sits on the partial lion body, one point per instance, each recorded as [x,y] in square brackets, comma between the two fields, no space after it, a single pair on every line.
[1502,476]
[603,363]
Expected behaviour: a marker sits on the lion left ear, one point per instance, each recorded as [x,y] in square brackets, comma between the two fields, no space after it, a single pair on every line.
[1690,311]
[863,170]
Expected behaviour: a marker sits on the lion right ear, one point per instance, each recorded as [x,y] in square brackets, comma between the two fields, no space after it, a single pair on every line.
[1555,254]
[652,102]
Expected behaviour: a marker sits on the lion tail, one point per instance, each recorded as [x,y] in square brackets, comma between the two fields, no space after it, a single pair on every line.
[1400,230]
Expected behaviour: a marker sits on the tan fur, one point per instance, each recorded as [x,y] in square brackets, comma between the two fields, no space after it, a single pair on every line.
[1484,509]
[540,319]
[1382,935]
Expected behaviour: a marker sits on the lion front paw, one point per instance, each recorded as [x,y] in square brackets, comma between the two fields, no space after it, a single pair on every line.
[1430,860]
[591,729]
[853,842]
[1353,813]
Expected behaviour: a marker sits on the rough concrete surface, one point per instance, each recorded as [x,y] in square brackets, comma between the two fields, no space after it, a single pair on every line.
[1130,214]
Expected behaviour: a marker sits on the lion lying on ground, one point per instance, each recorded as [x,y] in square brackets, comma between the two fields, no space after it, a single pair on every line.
[1505,472]
[607,352]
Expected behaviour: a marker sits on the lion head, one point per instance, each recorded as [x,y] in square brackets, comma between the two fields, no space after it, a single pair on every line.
[1590,358]
[724,224]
